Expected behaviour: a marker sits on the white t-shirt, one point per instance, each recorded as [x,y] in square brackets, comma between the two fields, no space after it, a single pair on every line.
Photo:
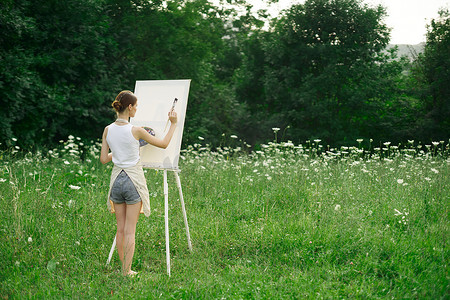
[123,145]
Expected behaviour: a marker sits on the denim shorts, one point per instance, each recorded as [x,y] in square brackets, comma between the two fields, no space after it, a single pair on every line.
[124,191]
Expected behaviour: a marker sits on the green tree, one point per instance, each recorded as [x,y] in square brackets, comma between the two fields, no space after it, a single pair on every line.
[432,74]
[317,57]
[181,39]
[55,69]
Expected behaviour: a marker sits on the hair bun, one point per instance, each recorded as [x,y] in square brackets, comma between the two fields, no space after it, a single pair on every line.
[117,105]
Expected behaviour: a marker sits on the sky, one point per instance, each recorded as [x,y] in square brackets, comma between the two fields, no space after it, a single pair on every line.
[407,18]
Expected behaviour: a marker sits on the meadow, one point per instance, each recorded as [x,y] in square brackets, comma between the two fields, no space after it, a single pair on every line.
[280,221]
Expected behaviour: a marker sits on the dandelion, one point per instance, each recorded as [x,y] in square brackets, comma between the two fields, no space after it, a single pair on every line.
[30,239]
[75,187]
[400,181]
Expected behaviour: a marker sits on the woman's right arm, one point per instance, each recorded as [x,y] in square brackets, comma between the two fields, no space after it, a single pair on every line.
[160,143]
[105,156]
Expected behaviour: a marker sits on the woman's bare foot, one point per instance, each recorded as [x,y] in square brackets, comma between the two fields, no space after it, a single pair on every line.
[131,273]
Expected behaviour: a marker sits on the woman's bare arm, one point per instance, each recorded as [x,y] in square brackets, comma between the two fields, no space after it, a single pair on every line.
[105,156]
[141,133]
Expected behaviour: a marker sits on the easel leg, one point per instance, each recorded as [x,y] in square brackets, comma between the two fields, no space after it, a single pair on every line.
[111,251]
[166,215]
[177,177]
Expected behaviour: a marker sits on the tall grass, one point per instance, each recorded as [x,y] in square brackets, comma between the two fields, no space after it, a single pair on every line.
[283,221]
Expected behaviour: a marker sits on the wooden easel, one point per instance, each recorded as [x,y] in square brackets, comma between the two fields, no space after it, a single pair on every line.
[166,217]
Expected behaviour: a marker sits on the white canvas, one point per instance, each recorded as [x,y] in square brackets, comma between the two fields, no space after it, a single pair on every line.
[155,99]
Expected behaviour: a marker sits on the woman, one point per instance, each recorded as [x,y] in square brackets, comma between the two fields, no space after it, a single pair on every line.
[128,193]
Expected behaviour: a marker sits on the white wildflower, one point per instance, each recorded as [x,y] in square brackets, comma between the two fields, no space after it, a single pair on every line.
[434,170]
[75,187]
[398,212]
[201,138]
[400,181]
[30,239]
[233,136]
[337,207]
[275,129]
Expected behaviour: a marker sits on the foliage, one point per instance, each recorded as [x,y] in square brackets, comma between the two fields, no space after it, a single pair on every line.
[320,70]
[432,70]
[55,72]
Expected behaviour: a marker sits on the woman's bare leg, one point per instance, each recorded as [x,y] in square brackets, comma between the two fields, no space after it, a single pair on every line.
[132,215]
[121,210]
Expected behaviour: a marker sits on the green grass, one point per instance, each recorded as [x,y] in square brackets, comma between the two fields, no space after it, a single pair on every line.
[285,222]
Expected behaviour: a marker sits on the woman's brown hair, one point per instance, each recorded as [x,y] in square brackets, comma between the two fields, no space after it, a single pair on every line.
[123,100]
